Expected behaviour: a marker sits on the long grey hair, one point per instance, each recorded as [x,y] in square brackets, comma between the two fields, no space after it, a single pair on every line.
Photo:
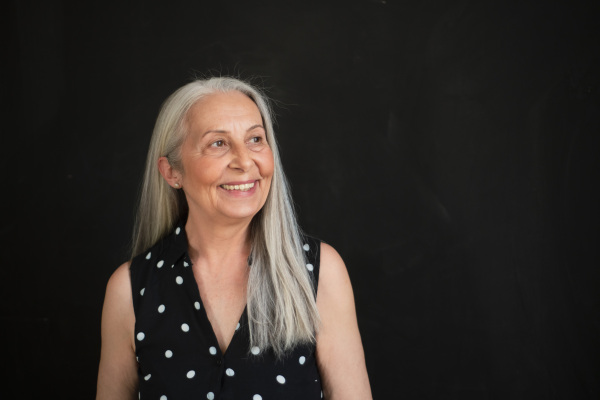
[281,303]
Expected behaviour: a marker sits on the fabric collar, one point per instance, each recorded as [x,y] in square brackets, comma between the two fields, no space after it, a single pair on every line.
[173,247]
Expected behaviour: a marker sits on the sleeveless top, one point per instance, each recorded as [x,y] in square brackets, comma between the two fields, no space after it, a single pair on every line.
[178,355]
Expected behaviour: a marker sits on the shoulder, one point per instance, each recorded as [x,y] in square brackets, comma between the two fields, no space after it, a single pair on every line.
[117,313]
[334,280]
[335,299]
[117,300]
[117,376]
[340,355]
[120,276]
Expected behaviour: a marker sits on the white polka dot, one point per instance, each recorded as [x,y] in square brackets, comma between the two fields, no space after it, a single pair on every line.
[160,263]
[161,308]
[147,377]
[212,350]
[137,359]
[142,291]
[321,394]
[255,350]
[229,372]
[163,397]
[280,379]
[177,230]
[306,247]
[173,266]
[148,255]
[191,374]
[179,280]
[210,396]
[168,354]
[309,267]
[141,336]
[237,326]
[302,360]
[185,327]
[197,305]
[185,264]
[257,397]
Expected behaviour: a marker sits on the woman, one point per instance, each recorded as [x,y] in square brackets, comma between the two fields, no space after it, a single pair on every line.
[220,299]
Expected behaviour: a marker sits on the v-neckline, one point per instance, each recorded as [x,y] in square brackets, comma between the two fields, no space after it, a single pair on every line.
[204,314]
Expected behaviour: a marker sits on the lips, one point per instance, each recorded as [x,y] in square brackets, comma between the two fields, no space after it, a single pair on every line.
[244,187]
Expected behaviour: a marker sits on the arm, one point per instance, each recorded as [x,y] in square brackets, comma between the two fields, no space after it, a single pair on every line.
[117,375]
[340,354]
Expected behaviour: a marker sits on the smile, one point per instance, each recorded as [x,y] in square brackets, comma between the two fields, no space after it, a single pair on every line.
[244,188]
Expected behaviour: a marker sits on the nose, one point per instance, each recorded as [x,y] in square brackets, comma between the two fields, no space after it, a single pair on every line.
[242,159]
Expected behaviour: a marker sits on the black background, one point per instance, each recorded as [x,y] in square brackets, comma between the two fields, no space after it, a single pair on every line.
[447,149]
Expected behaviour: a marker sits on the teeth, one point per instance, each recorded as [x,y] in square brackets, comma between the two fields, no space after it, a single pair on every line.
[244,188]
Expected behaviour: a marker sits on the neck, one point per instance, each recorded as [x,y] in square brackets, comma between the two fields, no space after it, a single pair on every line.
[214,245]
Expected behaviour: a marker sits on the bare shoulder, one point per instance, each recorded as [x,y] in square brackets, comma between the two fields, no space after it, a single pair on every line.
[117,376]
[333,276]
[340,355]
[117,312]
[119,284]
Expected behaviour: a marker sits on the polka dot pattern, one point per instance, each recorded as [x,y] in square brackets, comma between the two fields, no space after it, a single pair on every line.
[165,340]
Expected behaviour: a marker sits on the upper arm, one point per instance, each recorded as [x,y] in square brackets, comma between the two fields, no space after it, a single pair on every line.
[340,354]
[117,374]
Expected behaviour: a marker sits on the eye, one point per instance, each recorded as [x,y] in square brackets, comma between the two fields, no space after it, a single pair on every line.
[218,143]
[256,139]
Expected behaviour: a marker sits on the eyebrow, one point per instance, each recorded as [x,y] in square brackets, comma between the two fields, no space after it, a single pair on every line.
[226,132]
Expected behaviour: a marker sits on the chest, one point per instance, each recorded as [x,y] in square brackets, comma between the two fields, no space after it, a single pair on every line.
[224,300]
[180,355]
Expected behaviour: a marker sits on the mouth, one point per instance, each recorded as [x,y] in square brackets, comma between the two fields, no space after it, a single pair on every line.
[242,188]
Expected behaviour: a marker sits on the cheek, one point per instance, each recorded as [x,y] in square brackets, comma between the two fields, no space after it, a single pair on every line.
[204,172]
[267,165]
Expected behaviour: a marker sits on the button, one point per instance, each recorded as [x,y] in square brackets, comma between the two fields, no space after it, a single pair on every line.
[219,361]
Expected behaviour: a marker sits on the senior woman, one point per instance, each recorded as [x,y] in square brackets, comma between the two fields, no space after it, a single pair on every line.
[224,297]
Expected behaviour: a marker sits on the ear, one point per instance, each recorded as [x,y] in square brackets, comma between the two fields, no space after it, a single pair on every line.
[172,177]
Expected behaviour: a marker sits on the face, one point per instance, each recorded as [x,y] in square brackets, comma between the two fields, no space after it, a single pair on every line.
[227,162]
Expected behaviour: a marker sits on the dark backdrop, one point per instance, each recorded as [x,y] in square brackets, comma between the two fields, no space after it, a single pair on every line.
[447,149]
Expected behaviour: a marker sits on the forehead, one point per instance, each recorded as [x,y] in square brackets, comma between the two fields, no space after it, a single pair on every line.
[219,110]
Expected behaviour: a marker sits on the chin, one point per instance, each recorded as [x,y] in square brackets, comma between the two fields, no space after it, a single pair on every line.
[241,213]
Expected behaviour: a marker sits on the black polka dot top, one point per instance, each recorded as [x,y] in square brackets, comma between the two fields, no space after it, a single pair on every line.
[178,355]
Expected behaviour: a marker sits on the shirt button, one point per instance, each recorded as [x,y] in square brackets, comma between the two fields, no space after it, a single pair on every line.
[219,361]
